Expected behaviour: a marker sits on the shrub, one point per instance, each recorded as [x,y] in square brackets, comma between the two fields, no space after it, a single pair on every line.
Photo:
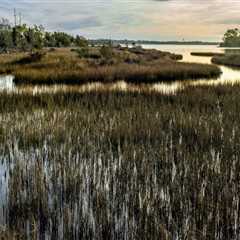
[106,52]
[83,52]
[32,58]
[229,60]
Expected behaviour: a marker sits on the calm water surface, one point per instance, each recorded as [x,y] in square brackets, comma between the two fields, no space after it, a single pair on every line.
[229,75]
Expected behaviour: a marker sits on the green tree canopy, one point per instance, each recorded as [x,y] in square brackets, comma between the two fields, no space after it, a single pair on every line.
[6,42]
[81,41]
[26,38]
[231,38]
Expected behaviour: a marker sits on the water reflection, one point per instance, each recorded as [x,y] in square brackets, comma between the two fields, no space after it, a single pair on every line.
[6,82]
[229,75]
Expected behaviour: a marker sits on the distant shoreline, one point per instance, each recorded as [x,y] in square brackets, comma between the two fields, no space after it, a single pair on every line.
[139,42]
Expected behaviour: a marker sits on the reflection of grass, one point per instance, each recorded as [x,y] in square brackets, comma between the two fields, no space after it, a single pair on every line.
[206,54]
[228,60]
[130,165]
[132,65]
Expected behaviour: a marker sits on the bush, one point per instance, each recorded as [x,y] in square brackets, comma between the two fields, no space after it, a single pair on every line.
[228,60]
[34,57]
[106,52]
[137,50]
[52,49]
[83,52]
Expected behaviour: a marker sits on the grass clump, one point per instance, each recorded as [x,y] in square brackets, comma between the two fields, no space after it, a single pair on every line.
[103,64]
[108,74]
[107,52]
[228,60]
[87,53]
[32,58]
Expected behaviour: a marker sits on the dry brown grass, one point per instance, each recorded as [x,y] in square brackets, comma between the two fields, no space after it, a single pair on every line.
[65,67]
[133,74]
[117,165]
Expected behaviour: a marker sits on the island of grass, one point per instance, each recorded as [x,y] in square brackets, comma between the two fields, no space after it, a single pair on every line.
[101,64]
[232,60]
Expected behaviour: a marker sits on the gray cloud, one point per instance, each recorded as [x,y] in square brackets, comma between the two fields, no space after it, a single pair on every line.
[148,19]
[77,24]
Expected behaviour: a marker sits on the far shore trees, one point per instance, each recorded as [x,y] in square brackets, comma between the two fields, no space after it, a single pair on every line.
[231,38]
[6,41]
[29,38]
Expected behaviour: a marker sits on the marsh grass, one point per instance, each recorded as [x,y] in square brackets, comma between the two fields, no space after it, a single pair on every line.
[9,235]
[31,58]
[129,73]
[66,67]
[119,165]
[228,60]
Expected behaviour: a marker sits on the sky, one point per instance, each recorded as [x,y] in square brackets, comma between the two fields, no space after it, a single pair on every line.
[163,20]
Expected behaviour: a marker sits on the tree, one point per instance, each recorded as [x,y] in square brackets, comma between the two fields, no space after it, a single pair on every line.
[35,37]
[49,40]
[81,41]
[231,38]
[63,39]
[19,38]
[26,38]
[6,42]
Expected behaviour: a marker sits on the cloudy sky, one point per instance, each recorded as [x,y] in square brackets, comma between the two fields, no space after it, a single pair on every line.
[132,19]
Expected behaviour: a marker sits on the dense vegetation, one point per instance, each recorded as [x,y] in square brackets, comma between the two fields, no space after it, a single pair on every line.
[26,38]
[231,38]
[228,60]
[114,165]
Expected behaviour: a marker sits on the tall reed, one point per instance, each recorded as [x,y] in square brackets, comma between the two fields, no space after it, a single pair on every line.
[118,165]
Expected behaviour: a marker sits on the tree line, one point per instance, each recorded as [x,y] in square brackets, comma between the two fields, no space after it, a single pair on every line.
[231,38]
[28,38]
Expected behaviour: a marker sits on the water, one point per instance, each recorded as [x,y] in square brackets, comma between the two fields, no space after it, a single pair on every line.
[228,76]
[7,83]
[100,195]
